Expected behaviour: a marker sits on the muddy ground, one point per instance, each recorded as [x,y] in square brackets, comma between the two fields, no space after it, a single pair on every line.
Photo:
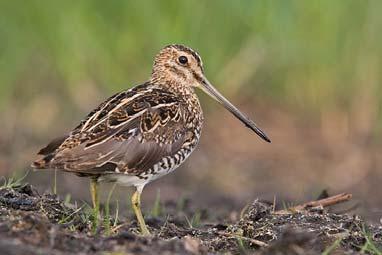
[32,223]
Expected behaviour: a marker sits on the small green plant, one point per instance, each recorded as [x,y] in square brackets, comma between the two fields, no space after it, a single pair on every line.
[241,245]
[369,246]
[107,218]
[116,217]
[181,203]
[67,199]
[13,181]
[129,208]
[72,228]
[65,219]
[240,241]
[94,220]
[195,220]
[274,204]
[288,206]
[89,215]
[244,210]
[55,182]
[157,208]
[188,221]
[331,248]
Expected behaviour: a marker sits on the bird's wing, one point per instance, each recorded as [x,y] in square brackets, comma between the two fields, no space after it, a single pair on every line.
[128,133]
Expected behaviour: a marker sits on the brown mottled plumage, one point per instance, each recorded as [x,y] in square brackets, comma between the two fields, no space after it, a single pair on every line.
[143,133]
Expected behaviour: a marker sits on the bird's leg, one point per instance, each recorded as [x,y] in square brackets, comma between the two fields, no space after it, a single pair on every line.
[95,200]
[136,202]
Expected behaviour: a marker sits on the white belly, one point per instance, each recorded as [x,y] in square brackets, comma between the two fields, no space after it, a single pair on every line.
[163,167]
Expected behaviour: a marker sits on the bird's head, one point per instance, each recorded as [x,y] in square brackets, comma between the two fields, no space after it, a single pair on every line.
[179,65]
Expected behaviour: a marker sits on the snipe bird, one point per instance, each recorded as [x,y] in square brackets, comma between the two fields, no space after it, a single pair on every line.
[141,134]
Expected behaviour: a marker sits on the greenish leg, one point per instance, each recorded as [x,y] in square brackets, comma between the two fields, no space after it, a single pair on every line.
[136,202]
[95,200]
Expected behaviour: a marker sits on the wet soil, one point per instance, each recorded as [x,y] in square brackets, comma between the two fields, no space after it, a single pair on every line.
[32,223]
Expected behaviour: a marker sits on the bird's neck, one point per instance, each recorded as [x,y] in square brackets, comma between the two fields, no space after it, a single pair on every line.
[184,91]
[177,86]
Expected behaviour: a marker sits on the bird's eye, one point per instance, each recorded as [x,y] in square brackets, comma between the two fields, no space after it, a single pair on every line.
[183,60]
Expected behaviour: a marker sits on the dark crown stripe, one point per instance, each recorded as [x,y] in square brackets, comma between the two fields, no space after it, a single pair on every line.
[188,50]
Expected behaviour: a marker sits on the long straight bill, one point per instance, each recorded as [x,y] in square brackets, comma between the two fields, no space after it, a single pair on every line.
[211,91]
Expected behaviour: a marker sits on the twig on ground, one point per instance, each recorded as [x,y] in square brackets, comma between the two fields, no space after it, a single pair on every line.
[251,240]
[329,201]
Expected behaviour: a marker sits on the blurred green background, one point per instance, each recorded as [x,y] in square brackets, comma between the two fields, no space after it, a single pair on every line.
[309,71]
